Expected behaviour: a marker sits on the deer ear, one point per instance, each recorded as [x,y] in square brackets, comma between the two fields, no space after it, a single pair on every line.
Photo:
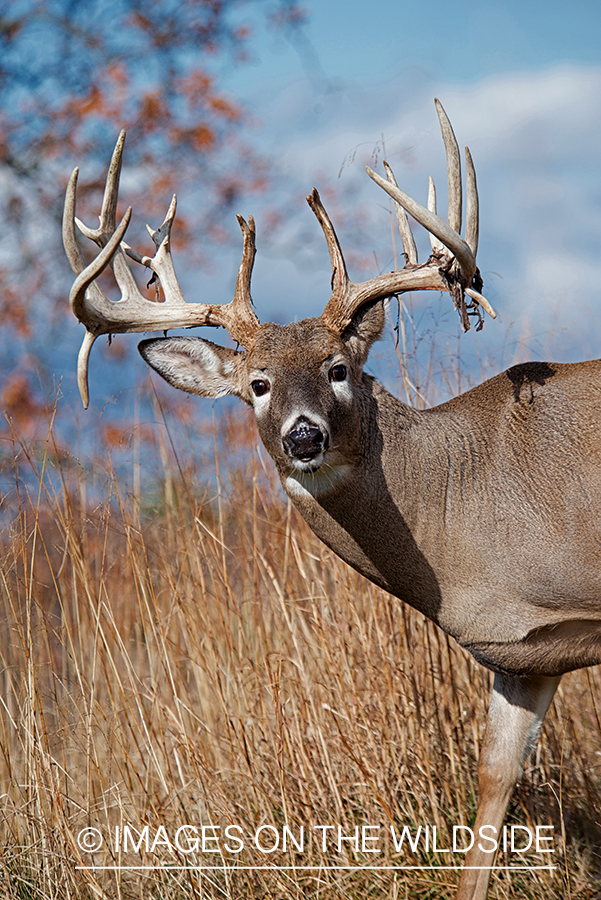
[365,328]
[196,365]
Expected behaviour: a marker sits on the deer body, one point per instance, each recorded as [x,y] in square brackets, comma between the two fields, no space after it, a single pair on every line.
[403,495]
[489,464]
[483,513]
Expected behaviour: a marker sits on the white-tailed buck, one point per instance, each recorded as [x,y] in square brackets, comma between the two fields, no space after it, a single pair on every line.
[396,492]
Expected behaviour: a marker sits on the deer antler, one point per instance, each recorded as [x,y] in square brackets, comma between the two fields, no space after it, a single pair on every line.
[134,312]
[452,265]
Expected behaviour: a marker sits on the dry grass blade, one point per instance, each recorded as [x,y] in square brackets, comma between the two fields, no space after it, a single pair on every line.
[219,667]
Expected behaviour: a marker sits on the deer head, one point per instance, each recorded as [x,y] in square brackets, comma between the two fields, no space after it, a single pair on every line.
[304,380]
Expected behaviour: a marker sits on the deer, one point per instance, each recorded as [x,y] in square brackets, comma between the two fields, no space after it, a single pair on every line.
[399,493]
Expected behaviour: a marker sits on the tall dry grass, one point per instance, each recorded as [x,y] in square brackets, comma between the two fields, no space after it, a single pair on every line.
[188,653]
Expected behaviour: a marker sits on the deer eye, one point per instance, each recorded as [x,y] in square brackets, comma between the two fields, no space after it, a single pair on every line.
[260,387]
[338,373]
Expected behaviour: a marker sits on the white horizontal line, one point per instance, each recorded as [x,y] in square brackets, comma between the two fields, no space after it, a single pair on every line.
[313,868]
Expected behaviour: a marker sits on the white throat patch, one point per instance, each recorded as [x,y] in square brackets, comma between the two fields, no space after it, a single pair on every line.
[324,480]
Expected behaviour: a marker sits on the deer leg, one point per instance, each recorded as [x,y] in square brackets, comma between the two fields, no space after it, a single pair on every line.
[517,709]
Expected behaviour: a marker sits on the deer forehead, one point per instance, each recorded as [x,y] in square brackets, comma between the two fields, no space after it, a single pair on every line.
[300,347]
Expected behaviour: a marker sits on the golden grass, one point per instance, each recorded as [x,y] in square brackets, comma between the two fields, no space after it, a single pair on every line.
[212,663]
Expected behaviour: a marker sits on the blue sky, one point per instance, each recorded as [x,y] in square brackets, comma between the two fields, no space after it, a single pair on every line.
[521,82]
[363,43]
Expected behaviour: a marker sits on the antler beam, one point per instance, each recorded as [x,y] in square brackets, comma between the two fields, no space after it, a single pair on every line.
[134,312]
[440,272]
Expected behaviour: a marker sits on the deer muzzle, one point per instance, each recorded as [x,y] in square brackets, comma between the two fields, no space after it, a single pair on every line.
[306,443]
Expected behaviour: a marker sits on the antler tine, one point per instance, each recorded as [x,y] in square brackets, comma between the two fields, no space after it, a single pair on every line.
[481,301]
[472,216]
[74,255]
[409,247]
[243,312]
[453,168]
[83,360]
[436,245]
[134,312]
[108,212]
[340,279]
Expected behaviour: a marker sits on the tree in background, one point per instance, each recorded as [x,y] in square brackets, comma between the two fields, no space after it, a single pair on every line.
[71,76]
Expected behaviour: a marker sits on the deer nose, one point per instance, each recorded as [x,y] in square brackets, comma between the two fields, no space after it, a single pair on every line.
[305,441]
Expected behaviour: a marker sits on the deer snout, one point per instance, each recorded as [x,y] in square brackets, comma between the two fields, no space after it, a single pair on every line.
[304,442]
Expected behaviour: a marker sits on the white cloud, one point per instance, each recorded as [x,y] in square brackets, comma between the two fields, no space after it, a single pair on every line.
[535,137]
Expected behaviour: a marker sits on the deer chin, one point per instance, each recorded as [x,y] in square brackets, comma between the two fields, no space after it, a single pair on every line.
[317,480]
[307,466]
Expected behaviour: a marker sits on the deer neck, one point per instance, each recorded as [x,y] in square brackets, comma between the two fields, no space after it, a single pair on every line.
[371,515]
